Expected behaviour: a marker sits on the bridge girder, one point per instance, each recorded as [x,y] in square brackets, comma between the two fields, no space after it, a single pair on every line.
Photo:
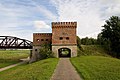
[10,42]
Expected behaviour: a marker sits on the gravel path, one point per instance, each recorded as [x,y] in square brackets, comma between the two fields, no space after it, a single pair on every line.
[65,71]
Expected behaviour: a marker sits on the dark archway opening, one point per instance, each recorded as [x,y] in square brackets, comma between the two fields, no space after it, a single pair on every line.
[64,52]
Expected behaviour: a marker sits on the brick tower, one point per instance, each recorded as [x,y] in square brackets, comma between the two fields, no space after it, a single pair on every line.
[64,37]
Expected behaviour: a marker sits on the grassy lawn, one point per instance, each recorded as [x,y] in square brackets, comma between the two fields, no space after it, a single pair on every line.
[41,70]
[97,67]
[8,57]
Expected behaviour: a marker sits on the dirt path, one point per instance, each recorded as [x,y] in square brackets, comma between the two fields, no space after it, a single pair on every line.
[8,67]
[65,71]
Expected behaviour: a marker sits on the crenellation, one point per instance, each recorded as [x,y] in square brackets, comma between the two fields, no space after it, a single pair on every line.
[49,34]
[64,24]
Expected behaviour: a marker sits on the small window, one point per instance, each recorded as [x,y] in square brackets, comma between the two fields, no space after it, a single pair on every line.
[46,39]
[37,40]
[61,38]
[67,38]
[42,39]
[35,49]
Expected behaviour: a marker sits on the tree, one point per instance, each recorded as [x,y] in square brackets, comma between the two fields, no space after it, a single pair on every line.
[84,41]
[111,33]
[103,41]
[92,41]
[78,42]
[88,41]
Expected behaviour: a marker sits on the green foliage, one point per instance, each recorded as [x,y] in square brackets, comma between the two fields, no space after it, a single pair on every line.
[45,53]
[79,48]
[88,41]
[47,46]
[92,50]
[104,42]
[100,40]
[41,70]
[97,67]
[8,57]
[79,52]
[78,42]
[111,33]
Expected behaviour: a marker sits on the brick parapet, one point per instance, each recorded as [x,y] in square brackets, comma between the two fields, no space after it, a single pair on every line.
[64,24]
[42,38]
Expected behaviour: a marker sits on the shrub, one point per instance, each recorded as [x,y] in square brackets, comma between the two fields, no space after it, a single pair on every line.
[45,53]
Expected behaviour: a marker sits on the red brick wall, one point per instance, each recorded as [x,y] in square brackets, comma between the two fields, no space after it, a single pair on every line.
[64,30]
[42,38]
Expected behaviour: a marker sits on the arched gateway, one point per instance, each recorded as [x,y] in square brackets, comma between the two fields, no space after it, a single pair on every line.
[63,39]
[64,52]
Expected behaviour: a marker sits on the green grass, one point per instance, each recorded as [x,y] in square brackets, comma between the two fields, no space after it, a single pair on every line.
[8,57]
[97,67]
[41,70]
[95,50]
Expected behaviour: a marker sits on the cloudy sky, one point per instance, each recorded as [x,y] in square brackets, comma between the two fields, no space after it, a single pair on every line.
[22,18]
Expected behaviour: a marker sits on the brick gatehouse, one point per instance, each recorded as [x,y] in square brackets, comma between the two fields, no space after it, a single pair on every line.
[62,38]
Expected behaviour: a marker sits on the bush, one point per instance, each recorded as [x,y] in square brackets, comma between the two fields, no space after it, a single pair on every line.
[45,53]
[80,51]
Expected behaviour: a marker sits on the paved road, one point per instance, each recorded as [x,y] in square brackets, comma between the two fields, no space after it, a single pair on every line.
[65,71]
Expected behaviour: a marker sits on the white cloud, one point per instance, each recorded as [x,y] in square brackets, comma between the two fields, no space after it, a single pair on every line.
[86,13]
[89,14]
[110,8]
[13,23]
[13,16]
[110,2]
[47,13]
[93,35]
[41,24]
[113,10]
[41,27]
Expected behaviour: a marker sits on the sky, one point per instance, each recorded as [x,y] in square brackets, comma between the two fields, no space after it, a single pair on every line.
[22,18]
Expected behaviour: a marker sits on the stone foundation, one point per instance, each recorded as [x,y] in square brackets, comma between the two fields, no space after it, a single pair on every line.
[72,48]
[35,54]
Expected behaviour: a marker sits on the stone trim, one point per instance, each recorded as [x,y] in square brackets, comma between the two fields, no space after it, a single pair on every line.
[64,44]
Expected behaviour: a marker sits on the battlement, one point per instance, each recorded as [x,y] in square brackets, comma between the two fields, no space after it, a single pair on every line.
[64,24]
[42,34]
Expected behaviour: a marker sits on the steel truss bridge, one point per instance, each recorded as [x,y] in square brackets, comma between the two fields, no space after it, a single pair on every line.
[10,42]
